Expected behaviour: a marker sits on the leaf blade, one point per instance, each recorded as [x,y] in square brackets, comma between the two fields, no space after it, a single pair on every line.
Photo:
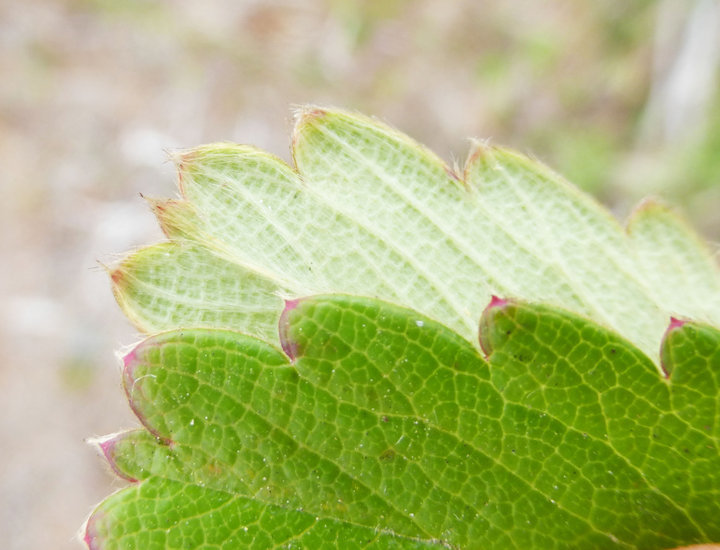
[171,515]
[370,212]
[386,419]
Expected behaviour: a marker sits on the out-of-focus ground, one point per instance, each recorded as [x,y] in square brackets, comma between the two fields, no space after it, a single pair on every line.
[621,97]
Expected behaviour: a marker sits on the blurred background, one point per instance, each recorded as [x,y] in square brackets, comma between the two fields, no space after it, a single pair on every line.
[620,96]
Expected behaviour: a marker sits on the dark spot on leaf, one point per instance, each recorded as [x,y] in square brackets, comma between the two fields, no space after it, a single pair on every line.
[387,455]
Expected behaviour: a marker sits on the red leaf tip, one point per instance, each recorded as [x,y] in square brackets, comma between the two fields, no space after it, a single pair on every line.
[675,323]
[309,113]
[486,321]
[117,276]
[90,538]
[666,363]
[107,448]
[495,302]
[288,345]
[129,362]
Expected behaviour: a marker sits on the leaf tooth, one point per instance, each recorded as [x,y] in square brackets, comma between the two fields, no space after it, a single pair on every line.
[106,445]
[117,278]
[675,323]
[478,150]
[452,173]
[496,301]
[304,117]
[91,538]
[174,216]
[289,346]
[182,159]
[487,333]
[190,163]
[307,113]
[496,158]
[666,359]
[131,362]
[647,206]
[121,280]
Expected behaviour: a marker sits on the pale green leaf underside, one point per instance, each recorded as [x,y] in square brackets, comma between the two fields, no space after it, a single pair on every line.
[370,212]
[390,428]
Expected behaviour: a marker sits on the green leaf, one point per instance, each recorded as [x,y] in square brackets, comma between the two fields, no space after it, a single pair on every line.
[169,281]
[368,211]
[671,256]
[587,415]
[388,427]
[166,514]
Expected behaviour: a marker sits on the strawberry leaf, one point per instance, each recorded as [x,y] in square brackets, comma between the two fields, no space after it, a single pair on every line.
[389,428]
[586,415]
[369,212]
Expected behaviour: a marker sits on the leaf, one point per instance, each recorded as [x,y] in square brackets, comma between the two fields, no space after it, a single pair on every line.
[387,427]
[162,513]
[579,419]
[164,282]
[367,211]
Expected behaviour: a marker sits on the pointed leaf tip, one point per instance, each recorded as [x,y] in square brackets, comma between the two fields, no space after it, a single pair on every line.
[167,213]
[106,445]
[116,276]
[129,362]
[666,360]
[309,113]
[90,538]
[496,301]
[675,323]
[306,116]
[181,157]
[288,345]
[487,323]
[136,359]
[478,150]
